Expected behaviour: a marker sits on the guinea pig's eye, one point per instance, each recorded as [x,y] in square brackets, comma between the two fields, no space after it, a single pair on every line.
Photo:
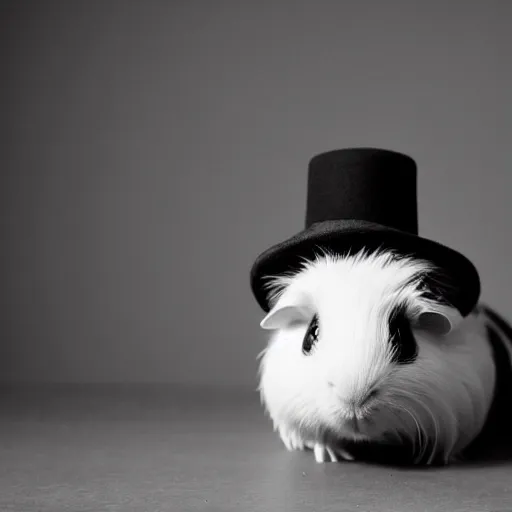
[311,336]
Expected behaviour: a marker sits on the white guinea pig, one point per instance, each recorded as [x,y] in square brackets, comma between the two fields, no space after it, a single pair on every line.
[365,354]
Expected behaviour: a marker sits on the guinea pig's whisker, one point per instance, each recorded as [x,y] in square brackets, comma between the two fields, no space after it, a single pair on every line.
[418,436]
[436,431]
[419,440]
[414,437]
[417,401]
[424,437]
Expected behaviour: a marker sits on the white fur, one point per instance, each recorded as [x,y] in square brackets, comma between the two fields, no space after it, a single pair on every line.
[443,397]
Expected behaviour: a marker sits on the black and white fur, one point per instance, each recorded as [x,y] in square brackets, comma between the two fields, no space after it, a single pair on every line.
[392,364]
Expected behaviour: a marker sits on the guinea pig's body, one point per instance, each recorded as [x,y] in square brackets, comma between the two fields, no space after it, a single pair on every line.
[365,352]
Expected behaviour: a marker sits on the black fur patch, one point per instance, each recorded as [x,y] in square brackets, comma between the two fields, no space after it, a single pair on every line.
[437,286]
[495,436]
[401,337]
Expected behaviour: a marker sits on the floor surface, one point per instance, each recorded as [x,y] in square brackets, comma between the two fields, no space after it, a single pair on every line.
[146,449]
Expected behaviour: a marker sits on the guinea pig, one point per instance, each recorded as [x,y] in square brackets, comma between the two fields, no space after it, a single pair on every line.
[366,352]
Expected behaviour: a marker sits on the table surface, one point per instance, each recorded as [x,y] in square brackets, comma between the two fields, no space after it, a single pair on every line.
[149,449]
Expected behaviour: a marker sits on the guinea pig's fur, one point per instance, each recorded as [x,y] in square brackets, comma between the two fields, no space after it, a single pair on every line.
[353,386]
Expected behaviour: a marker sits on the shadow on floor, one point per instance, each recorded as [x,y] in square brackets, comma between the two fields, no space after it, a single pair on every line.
[499,453]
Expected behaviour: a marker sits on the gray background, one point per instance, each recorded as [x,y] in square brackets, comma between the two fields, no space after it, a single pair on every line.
[150,150]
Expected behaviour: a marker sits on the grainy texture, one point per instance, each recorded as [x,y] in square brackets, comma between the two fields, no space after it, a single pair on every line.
[152,449]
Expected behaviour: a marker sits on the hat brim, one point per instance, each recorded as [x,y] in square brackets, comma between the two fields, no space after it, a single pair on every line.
[349,236]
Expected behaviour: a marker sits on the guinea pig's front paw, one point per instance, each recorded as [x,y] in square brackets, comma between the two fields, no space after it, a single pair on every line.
[323,453]
[292,440]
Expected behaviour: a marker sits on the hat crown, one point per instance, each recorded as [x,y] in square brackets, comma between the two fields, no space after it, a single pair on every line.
[365,198]
[369,184]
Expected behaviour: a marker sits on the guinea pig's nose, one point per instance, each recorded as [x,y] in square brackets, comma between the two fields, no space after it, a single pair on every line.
[355,401]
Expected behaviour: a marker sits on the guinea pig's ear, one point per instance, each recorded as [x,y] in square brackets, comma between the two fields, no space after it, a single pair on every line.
[286,312]
[439,298]
[440,321]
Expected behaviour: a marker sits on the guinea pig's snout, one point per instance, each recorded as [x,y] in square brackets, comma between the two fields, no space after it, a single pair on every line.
[357,403]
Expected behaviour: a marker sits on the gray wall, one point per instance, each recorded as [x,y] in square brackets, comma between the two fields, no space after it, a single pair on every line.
[150,150]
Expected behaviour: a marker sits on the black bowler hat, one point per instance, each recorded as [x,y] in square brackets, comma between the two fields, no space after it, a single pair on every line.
[365,198]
